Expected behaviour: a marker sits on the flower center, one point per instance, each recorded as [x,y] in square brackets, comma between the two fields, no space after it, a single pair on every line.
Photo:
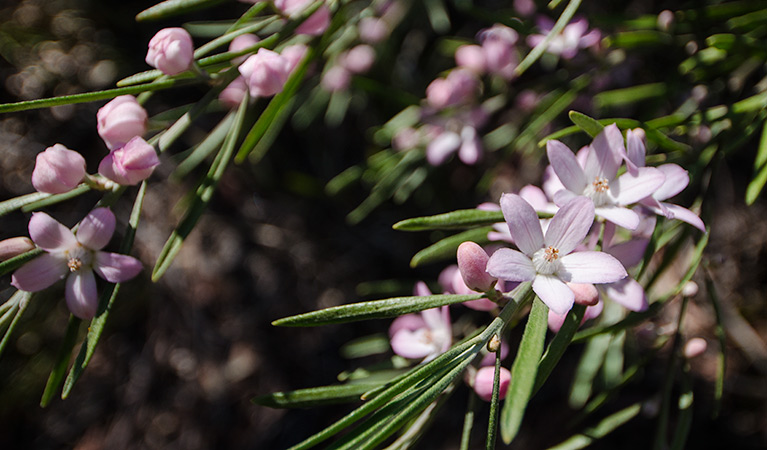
[599,192]
[546,260]
[78,258]
[74,264]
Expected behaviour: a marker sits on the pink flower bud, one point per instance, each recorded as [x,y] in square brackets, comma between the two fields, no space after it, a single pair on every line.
[585,294]
[232,95]
[483,382]
[130,164]
[265,72]
[373,30]
[472,262]
[15,246]
[240,43]
[294,54]
[695,347]
[458,87]
[121,120]
[316,24]
[471,57]
[58,170]
[171,50]
[358,59]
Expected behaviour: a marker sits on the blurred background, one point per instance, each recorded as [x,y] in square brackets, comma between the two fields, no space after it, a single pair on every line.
[180,359]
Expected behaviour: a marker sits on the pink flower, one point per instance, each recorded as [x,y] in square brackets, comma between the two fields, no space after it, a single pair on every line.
[337,78]
[121,120]
[484,379]
[373,30]
[358,59]
[58,170]
[471,57]
[233,93]
[315,25]
[498,48]
[294,54]
[458,87]
[265,72]
[171,50]
[15,246]
[472,262]
[425,335]
[548,260]
[572,38]
[676,179]
[75,257]
[458,133]
[626,292]
[556,321]
[596,177]
[130,164]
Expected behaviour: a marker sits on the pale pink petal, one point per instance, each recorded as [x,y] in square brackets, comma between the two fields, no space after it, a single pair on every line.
[592,312]
[551,183]
[40,273]
[510,265]
[409,322]
[564,197]
[484,381]
[482,304]
[421,289]
[554,293]
[676,180]
[523,223]
[636,151]
[81,294]
[629,189]
[96,228]
[411,344]
[628,293]
[591,267]
[470,151]
[566,166]
[570,225]
[685,215]
[623,217]
[49,234]
[535,196]
[629,253]
[556,321]
[442,147]
[115,267]
[607,153]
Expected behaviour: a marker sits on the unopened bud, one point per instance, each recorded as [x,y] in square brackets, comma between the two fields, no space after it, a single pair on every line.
[483,382]
[690,289]
[472,262]
[585,294]
[15,246]
[695,347]
[494,344]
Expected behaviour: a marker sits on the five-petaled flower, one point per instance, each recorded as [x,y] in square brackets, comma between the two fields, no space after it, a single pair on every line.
[425,335]
[76,257]
[548,260]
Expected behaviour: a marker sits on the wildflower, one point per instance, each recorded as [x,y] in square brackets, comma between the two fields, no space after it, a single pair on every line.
[265,72]
[232,94]
[567,43]
[595,176]
[75,257]
[626,292]
[555,321]
[121,120]
[336,78]
[15,246]
[498,47]
[315,25]
[676,179]
[58,170]
[458,87]
[358,59]
[241,43]
[130,164]
[457,133]
[472,262]
[171,50]
[548,260]
[424,335]
[373,30]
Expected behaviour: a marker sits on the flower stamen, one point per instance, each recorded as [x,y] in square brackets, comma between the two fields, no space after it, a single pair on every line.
[74,264]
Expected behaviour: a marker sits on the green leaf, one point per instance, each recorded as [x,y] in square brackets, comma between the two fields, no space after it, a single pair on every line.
[523,371]
[629,95]
[721,367]
[639,38]
[19,302]
[106,302]
[446,248]
[171,8]
[760,169]
[462,218]
[202,197]
[365,346]
[62,361]
[304,398]
[201,151]
[17,202]
[602,429]
[376,309]
[591,126]
[558,345]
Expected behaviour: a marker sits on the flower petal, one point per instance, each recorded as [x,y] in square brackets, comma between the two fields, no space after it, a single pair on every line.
[623,217]
[685,215]
[523,223]
[570,225]
[442,147]
[566,166]
[40,273]
[81,294]
[629,253]
[96,229]
[510,265]
[628,293]
[115,267]
[606,154]
[470,151]
[49,234]
[591,267]
[411,344]
[676,180]
[629,189]
[554,293]
[636,151]
[410,322]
